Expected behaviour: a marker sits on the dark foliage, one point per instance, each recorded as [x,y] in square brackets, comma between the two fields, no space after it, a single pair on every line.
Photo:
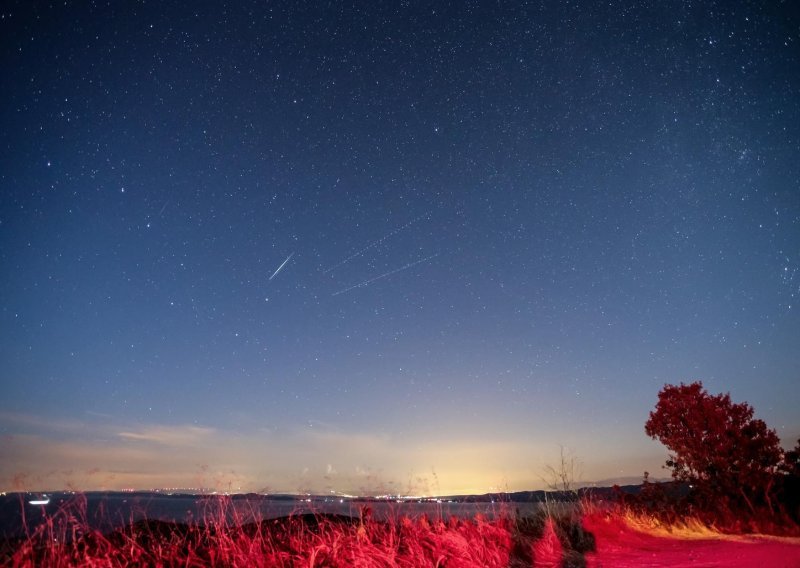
[788,486]
[791,461]
[665,500]
[729,459]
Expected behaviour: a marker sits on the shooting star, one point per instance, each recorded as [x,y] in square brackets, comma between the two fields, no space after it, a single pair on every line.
[160,213]
[274,274]
[376,243]
[385,275]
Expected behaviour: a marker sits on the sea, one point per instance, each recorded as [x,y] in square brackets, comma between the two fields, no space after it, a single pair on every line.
[63,513]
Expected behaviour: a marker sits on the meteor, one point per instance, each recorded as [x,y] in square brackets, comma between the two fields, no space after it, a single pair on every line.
[385,274]
[374,244]
[274,274]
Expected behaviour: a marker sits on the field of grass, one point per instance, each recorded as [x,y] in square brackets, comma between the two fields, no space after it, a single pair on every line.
[609,537]
[222,538]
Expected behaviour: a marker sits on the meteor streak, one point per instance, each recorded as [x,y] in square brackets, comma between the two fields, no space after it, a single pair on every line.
[376,243]
[274,274]
[385,275]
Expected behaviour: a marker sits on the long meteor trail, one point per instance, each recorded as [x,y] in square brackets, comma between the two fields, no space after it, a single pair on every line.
[274,274]
[376,243]
[385,275]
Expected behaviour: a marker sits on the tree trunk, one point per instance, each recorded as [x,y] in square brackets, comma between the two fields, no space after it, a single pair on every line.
[749,503]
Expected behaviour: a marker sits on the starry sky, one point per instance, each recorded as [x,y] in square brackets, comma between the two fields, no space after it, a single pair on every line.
[388,246]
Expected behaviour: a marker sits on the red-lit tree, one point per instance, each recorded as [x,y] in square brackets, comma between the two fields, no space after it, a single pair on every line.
[716,445]
[791,461]
[790,483]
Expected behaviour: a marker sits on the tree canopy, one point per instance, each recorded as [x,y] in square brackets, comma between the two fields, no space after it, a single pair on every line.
[715,444]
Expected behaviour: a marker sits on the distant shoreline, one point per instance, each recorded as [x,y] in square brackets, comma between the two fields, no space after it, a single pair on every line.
[534,496]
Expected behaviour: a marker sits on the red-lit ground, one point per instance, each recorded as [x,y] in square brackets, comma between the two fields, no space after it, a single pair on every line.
[598,539]
[620,544]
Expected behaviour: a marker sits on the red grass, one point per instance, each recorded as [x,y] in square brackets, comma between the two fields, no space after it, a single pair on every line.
[548,551]
[225,537]
[302,540]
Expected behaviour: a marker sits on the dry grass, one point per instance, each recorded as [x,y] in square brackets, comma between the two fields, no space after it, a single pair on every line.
[222,539]
[227,536]
[689,528]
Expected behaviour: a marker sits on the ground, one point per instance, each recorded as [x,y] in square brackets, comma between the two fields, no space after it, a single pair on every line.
[621,546]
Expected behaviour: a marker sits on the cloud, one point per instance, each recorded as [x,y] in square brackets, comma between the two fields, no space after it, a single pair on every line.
[170,435]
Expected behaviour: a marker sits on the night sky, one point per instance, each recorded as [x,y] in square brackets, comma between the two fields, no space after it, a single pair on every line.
[388,246]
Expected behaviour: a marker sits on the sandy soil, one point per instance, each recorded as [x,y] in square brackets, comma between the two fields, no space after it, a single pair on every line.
[619,546]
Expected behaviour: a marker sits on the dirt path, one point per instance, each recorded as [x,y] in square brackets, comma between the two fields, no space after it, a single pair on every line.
[619,546]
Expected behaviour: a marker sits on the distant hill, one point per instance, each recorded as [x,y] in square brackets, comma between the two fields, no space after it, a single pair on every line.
[623,481]
[595,492]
